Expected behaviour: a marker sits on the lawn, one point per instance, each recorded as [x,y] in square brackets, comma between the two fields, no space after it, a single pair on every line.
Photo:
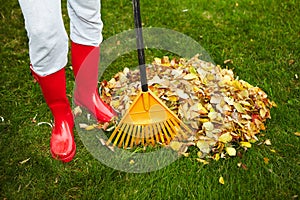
[261,38]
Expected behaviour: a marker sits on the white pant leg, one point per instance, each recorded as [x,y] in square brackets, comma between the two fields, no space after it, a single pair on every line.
[85,22]
[48,40]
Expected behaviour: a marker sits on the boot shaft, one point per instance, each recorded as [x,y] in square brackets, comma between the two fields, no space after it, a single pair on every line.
[53,87]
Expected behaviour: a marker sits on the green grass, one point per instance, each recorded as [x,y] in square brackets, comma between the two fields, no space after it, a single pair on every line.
[261,37]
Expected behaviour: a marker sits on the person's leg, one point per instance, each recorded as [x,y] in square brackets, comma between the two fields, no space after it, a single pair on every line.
[48,40]
[48,49]
[86,36]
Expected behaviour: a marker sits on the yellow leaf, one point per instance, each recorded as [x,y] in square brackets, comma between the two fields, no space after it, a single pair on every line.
[252,140]
[193,70]
[245,144]
[173,98]
[237,85]
[221,180]
[225,138]
[185,154]
[91,127]
[239,107]
[157,61]
[190,76]
[273,150]
[217,157]
[202,109]
[131,162]
[262,112]
[231,151]
[199,154]
[273,104]
[175,145]
[202,161]
[297,134]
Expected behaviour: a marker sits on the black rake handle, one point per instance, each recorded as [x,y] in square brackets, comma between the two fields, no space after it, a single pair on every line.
[140,44]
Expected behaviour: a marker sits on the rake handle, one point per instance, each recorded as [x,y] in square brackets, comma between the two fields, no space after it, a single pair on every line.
[140,44]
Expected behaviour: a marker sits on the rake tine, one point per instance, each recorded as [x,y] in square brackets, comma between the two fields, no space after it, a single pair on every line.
[128,136]
[147,134]
[143,135]
[133,139]
[113,134]
[177,129]
[138,134]
[123,136]
[155,133]
[160,133]
[169,130]
[151,135]
[121,130]
[182,132]
[173,127]
[165,132]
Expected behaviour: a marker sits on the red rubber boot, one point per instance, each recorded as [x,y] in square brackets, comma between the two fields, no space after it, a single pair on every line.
[85,60]
[62,145]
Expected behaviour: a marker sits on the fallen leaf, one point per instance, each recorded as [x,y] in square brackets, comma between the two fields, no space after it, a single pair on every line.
[83,125]
[245,144]
[90,127]
[208,126]
[297,134]
[225,138]
[231,151]
[228,61]
[47,123]
[24,161]
[112,148]
[216,157]
[77,111]
[242,165]
[182,94]
[190,77]
[202,161]
[199,154]
[175,145]
[185,154]
[203,146]
[266,160]
[267,142]
[33,119]
[221,180]
[131,162]
[239,107]
[103,142]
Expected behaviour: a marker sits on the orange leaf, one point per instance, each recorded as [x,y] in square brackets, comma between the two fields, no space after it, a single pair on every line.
[266,160]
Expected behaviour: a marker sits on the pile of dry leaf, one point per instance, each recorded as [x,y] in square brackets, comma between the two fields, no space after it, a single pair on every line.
[224,112]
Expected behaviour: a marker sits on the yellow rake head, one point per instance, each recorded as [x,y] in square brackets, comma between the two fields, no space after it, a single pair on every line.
[147,121]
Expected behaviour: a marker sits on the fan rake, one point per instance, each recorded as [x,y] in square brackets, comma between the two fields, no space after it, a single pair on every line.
[148,120]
